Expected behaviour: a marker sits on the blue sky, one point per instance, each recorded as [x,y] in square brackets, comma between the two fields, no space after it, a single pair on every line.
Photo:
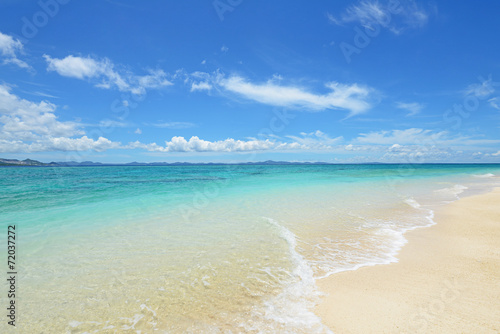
[239,80]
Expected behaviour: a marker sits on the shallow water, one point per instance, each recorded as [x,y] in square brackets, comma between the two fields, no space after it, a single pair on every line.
[209,249]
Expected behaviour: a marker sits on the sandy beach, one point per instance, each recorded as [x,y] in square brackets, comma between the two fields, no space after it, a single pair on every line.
[446,281]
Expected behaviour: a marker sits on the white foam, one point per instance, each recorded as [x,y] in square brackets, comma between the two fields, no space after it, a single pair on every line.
[290,311]
[412,202]
[484,175]
[456,190]
[75,323]
[135,319]
[394,240]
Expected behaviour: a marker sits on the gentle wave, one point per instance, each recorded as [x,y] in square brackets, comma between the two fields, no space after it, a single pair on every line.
[390,239]
[484,175]
[456,190]
[291,309]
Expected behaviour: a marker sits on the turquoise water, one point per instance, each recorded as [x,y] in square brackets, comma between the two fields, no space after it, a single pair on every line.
[209,249]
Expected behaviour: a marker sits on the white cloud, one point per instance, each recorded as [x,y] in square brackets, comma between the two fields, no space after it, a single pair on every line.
[105,74]
[49,144]
[25,120]
[195,144]
[138,131]
[421,137]
[353,97]
[416,153]
[408,136]
[494,103]
[78,67]
[395,16]
[496,154]
[10,48]
[483,89]
[109,123]
[316,140]
[224,49]
[200,86]
[413,107]
[174,125]
[350,97]
[33,127]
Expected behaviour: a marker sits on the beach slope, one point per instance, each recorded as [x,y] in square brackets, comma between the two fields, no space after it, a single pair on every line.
[447,279]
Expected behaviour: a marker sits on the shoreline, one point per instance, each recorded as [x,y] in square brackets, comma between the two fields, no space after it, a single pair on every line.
[446,279]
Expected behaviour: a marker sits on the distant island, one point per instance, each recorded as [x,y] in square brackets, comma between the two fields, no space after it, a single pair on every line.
[35,163]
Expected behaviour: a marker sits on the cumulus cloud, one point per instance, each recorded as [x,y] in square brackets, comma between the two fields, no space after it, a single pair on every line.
[413,108]
[33,127]
[195,144]
[10,49]
[313,141]
[106,75]
[395,16]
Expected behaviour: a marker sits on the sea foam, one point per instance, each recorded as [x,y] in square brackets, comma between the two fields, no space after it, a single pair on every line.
[290,311]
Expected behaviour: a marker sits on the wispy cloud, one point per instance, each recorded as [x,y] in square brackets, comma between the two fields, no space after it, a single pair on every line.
[200,86]
[173,125]
[45,95]
[354,97]
[422,137]
[396,16]
[105,75]
[109,123]
[316,140]
[413,107]
[495,103]
[483,89]
[10,49]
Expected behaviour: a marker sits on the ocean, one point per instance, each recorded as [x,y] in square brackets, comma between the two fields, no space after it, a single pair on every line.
[208,248]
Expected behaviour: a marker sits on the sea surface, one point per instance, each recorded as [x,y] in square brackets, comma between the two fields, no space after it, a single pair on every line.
[207,249]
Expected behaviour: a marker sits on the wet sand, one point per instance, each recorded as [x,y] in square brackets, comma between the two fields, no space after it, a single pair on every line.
[447,279]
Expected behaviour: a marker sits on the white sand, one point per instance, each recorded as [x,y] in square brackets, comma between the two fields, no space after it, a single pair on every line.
[447,279]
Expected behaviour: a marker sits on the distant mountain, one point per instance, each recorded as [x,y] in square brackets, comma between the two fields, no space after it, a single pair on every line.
[30,162]
[34,163]
[26,162]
